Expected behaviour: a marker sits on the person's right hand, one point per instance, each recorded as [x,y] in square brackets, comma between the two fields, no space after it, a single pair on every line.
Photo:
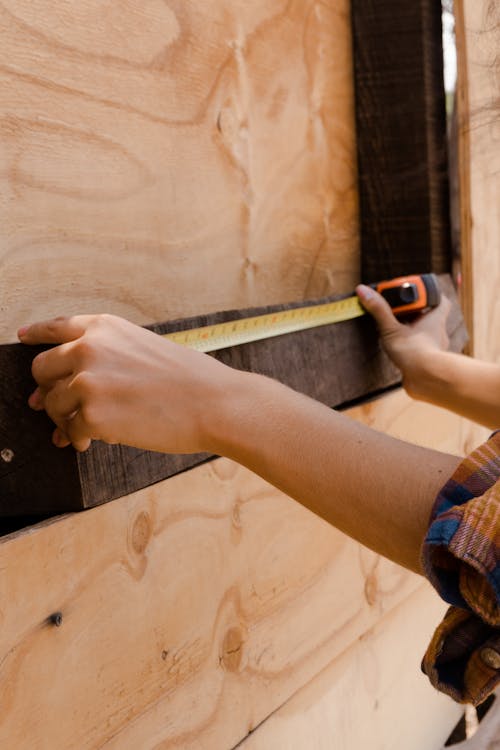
[409,345]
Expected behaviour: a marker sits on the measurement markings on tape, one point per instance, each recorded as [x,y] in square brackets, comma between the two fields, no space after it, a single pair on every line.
[234,332]
[405,295]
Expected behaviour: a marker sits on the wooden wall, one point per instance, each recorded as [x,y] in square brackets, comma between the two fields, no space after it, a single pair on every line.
[163,159]
[194,609]
[368,697]
[478,40]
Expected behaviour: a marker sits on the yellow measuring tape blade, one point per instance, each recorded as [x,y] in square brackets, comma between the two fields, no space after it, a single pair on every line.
[234,332]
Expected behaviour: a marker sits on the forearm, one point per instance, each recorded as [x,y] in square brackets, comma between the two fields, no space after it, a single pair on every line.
[466,386]
[374,488]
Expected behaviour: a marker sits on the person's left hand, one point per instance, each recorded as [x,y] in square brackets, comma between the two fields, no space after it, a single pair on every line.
[114,381]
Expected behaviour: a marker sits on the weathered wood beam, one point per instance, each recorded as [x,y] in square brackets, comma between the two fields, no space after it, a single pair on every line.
[332,364]
[401,138]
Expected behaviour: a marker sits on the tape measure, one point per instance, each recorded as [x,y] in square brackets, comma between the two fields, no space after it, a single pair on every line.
[406,294]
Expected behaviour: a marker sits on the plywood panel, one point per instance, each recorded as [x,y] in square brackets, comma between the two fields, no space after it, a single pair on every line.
[373,695]
[478,39]
[190,610]
[164,159]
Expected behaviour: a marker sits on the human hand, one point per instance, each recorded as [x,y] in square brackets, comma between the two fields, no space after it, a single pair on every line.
[114,381]
[409,345]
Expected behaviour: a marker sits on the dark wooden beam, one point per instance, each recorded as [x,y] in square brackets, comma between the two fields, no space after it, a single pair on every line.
[401,138]
[333,364]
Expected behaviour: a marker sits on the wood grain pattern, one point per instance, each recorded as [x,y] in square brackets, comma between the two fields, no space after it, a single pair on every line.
[165,159]
[158,160]
[191,610]
[374,695]
[401,138]
[478,38]
[332,364]
[186,617]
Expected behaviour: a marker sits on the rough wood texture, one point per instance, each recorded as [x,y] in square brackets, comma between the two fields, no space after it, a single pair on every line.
[401,138]
[372,696]
[478,40]
[333,364]
[190,610]
[164,159]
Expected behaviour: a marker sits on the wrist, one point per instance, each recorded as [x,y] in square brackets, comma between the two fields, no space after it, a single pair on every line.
[428,375]
[418,374]
[235,429]
[225,410]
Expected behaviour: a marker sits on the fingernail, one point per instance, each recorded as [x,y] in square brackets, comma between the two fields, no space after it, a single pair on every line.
[35,400]
[23,331]
[365,292]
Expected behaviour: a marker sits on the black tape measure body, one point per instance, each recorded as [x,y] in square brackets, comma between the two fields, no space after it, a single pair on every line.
[410,294]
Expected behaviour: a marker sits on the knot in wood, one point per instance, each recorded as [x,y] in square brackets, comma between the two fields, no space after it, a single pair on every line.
[224,469]
[371,589]
[141,532]
[235,515]
[232,649]
[56,619]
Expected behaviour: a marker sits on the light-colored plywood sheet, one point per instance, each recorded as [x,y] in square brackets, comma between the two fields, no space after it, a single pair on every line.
[373,696]
[167,158]
[191,610]
[478,41]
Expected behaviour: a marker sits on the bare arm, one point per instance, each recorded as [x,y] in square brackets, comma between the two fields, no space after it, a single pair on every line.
[367,484]
[113,381]
[466,386]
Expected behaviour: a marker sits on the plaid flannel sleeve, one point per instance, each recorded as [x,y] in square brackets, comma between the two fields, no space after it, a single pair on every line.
[461,558]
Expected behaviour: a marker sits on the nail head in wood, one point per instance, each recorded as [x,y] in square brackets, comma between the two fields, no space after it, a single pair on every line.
[56,619]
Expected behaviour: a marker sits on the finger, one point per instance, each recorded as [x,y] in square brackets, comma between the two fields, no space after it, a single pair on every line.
[62,406]
[62,440]
[77,431]
[37,400]
[52,365]
[61,402]
[379,308]
[55,331]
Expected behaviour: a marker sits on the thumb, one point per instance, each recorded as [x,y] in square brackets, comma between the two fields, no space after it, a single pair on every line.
[379,308]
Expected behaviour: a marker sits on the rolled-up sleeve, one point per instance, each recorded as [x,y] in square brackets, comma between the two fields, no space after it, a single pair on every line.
[461,558]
